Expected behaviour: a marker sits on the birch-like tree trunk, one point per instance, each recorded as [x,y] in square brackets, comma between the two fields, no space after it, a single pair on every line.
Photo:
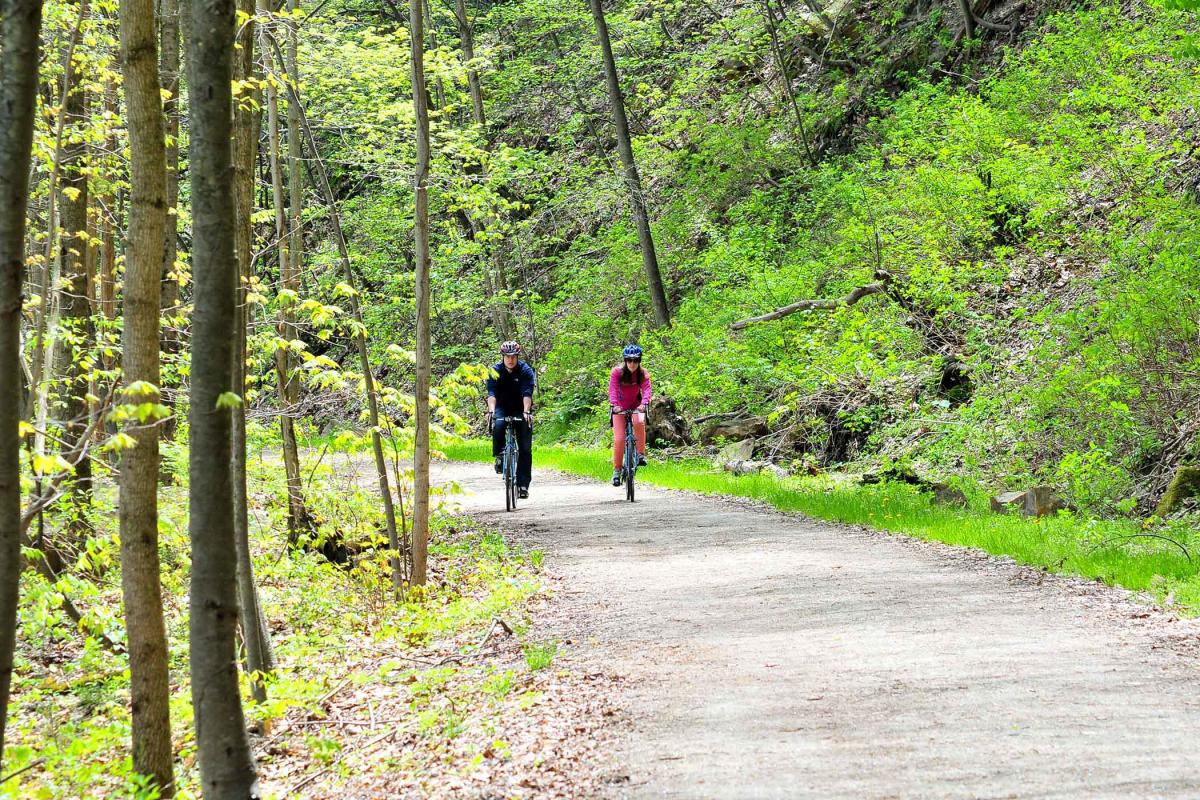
[226,764]
[20,23]
[420,535]
[149,680]
[633,181]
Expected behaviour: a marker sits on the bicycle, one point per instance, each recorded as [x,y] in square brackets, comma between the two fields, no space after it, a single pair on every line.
[509,457]
[630,461]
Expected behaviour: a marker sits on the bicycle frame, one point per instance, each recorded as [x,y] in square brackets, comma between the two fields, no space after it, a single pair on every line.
[511,451]
[629,468]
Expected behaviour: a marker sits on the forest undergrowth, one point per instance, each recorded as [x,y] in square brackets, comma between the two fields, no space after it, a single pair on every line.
[449,689]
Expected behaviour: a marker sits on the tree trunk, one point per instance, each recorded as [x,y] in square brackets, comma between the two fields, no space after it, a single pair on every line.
[138,503]
[76,309]
[466,35]
[299,521]
[20,24]
[439,88]
[420,536]
[501,314]
[968,15]
[294,139]
[246,123]
[226,764]
[789,96]
[364,360]
[633,182]
[168,68]
[107,266]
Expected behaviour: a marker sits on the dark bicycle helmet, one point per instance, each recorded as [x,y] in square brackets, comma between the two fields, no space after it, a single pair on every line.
[632,351]
[510,349]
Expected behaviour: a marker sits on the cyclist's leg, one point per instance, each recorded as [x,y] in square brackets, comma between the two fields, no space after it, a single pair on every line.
[497,436]
[524,454]
[639,432]
[618,423]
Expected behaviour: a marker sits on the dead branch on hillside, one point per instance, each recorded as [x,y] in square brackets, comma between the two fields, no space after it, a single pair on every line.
[884,282]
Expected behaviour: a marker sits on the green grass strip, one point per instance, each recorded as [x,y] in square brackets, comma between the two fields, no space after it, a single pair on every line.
[1113,551]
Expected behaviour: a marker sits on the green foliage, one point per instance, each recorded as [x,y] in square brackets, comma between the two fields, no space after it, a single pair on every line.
[539,655]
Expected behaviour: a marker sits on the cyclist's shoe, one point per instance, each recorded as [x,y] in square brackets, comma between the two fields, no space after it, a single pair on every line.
[523,492]
[616,477]
[499,465]
[641,460]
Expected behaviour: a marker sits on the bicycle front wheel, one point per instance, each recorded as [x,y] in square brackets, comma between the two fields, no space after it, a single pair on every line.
[510,486]
[630,471]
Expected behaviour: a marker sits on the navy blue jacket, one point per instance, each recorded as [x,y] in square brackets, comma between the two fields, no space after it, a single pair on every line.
[509,387]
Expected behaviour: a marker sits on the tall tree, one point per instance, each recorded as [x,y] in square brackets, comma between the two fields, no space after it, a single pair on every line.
[75,355]
[149,680]
[20,22]
[421,234]
[168,70]
[299,521]
[501,316]
[226,764]
[360,338]
[466,36]
[633,181]
[246,123]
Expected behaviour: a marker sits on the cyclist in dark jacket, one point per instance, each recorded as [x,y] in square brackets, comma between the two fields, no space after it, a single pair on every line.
[510,394]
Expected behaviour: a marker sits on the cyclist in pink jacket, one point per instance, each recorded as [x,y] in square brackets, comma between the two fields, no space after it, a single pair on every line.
[629,389]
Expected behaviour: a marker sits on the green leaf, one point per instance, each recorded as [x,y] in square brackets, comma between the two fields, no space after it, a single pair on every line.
[228,400]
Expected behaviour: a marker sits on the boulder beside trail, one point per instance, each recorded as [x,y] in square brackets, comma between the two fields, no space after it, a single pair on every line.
[735,452]
[1185,484]
[1039,501]
[749,467]
[734,429]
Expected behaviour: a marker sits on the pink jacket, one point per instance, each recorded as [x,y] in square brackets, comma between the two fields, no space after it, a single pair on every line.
[628,396]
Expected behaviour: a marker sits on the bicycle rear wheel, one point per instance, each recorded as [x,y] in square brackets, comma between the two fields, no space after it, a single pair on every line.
[510,483]
[630,471]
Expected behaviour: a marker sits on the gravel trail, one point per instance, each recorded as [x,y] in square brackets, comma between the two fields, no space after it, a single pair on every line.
[772,656]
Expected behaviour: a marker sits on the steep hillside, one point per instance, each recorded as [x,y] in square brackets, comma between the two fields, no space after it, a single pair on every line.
[1025,200]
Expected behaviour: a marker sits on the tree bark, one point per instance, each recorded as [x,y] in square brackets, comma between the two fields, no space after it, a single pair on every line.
[299,521]
[968,15]
[466,35]
[20,23]
[168,68]
[633,181]
[246,124]
[420,528]
[501,313]
[73,357]
[138,504]
[226,764]
[294,144]
[785,78]
[385,492]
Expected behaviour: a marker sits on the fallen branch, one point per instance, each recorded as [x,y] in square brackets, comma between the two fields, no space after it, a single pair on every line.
[883,283]
[1180,545]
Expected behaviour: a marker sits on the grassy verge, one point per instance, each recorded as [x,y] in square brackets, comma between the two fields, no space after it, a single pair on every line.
[1122,553]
